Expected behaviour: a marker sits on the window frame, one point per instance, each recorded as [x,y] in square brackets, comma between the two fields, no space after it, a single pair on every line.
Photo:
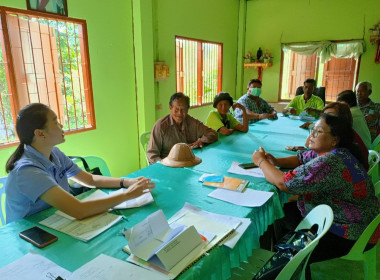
[12,88]
[316,75]
[199,68]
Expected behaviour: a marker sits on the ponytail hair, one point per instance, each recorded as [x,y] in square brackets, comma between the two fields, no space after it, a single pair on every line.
[30,118]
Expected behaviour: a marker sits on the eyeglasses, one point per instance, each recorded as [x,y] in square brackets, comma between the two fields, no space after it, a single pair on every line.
[315,132]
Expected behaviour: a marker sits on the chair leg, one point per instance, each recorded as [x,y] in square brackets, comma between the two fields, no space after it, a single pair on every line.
[369,264]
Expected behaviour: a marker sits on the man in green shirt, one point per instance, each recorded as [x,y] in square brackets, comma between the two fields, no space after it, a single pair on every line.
[306,102]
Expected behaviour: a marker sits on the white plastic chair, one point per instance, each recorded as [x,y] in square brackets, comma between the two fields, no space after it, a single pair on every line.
[369,257]
[373,161]
[321,215]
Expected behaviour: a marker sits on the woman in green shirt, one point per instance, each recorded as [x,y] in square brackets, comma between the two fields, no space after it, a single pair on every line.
[222,120]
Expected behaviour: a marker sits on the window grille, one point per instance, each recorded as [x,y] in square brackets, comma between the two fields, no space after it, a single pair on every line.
[198,69]
[44,59]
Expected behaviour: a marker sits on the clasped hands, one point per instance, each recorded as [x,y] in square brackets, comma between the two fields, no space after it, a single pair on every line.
[260,155]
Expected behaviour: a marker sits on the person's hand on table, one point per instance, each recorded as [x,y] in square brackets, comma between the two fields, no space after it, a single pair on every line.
[274,116]
[264,116]
[140,187]
[197,144]
[258,156]
[271,159]
[130,181]
[311,110]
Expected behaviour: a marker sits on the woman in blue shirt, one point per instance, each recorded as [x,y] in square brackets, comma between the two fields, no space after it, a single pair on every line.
[38,172]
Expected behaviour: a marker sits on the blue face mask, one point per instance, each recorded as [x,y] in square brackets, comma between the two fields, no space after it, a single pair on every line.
[255,91]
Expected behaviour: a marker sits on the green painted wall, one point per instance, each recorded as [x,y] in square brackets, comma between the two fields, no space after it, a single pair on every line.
[272,22]
[212,20]
[111,56]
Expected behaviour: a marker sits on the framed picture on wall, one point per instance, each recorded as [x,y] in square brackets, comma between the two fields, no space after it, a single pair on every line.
[58,7]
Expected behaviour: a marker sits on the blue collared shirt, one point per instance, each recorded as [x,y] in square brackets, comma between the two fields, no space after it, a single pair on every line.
[32,176]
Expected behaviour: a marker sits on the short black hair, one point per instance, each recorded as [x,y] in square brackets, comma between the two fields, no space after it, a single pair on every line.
[222,96]
[347,96]
[310,81]
[254,81]
[179,95]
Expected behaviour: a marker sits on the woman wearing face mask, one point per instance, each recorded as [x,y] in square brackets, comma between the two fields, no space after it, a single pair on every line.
[221,120]
[256,107]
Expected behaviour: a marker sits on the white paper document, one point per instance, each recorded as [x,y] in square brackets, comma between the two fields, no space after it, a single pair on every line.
[33,266]
[249,197]
[142,200]
[254,172]
[104,267]
[239,225]
[85,229]
[154,241]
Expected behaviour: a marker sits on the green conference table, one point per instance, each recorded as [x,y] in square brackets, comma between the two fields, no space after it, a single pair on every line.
[174,187]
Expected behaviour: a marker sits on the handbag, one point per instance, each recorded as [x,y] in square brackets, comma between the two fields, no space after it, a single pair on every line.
[288,247]
[76,188]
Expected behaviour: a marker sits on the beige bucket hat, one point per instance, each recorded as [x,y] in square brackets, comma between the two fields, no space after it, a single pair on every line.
[181,155]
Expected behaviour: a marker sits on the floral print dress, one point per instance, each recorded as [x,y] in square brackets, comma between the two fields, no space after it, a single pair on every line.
[340,181]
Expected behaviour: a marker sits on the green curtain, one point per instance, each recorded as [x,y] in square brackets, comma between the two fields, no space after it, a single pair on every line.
[326,49]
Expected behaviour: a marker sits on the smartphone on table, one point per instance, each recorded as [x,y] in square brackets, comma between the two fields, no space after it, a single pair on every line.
[38,236]
[247,165]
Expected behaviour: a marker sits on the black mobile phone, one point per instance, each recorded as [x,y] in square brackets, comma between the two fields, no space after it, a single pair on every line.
[38,236]
[247,165]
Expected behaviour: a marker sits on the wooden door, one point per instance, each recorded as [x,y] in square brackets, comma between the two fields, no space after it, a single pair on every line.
[301,68]
[338,75]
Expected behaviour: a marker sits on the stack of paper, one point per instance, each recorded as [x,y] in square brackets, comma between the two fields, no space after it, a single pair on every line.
[212,231]
[83,230]
[249,198]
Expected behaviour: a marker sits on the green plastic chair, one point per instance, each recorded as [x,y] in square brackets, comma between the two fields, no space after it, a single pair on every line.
[373,160]
[321,215]
[376,144]
[3,216]
[95,161]
[144,140]
[369,257]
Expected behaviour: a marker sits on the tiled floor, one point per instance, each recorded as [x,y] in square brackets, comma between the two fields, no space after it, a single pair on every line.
[336,269]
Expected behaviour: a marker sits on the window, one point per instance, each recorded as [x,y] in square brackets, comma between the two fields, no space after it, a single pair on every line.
[335,75]
[44,59]
[198,69]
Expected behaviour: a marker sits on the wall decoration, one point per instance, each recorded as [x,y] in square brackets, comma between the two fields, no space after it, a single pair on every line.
[58,7]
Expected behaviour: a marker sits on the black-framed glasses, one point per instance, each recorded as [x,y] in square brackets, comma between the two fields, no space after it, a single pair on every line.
[316,131]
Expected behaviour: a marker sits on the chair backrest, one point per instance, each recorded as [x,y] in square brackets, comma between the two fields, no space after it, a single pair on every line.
[377,188]
[361,243]
[373,161]
[144,140]
[319,91]
[323,216]
[95,161]
[376,144]
[3,216]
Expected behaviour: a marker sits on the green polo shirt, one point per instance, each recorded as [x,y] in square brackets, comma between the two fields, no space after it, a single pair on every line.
[215,121]
[299,104]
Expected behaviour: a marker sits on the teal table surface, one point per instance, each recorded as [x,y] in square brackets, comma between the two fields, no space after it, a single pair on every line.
[174,187]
